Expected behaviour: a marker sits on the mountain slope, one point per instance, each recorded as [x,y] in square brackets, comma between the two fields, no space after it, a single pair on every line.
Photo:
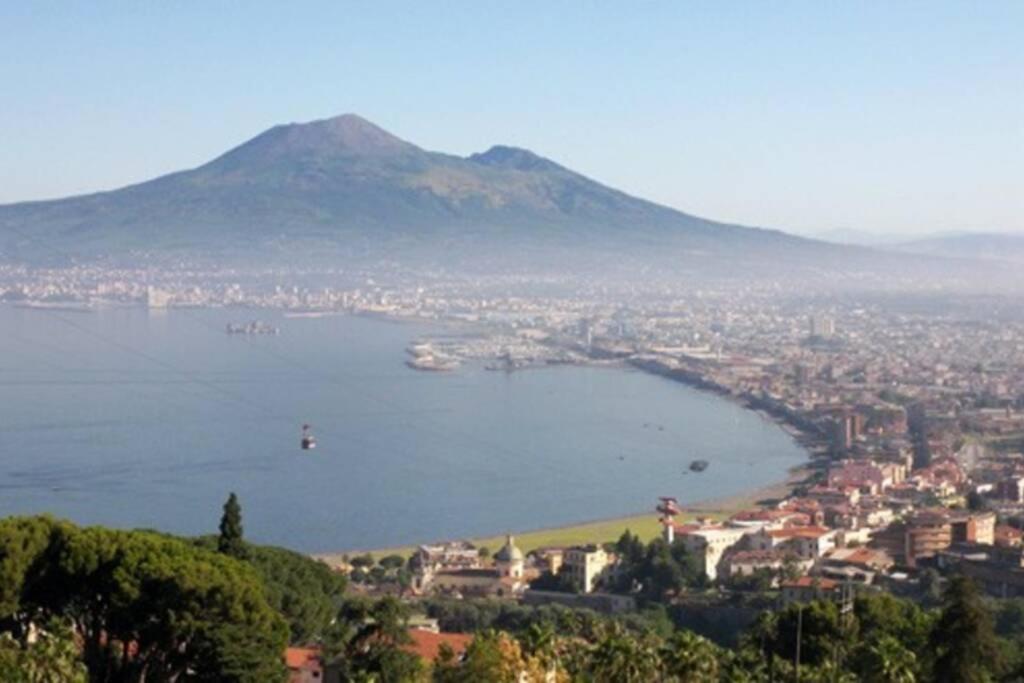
[981,246]
[344,184]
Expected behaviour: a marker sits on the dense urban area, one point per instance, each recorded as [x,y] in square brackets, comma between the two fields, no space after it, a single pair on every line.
[896,556]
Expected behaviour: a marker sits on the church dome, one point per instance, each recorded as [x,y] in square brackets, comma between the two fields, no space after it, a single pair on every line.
[509,553]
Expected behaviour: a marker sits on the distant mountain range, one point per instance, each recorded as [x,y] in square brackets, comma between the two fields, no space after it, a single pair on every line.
[978,246]
[343,187]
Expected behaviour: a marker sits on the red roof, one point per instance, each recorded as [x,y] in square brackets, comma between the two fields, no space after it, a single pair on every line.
[302,658]
[427,644]
[800,532]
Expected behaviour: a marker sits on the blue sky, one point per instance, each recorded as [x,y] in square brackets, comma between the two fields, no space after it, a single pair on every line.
[807,116]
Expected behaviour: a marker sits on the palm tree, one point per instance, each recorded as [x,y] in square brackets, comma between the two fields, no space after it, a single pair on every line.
[621,658]
[689,658]
[887,661]
[539,641]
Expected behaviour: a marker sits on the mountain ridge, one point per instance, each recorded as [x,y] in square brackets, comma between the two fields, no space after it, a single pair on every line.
[344,183]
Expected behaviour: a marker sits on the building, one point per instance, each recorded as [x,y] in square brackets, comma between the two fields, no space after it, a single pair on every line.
[709,543]
[807,543]
[858,565]
[867,476]
[506,578]
[509,560]
[1008,537]
[427,644]
[430,560]
[587,565]
[810,588]
[973,527]
[822,326]
[1011,489]
[928,532]
[751,562]
[305,665]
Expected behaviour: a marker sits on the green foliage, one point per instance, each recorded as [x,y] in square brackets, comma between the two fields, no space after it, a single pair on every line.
[688,658]
[656,571]
[884,659]
[52,658]
[392,561]
[561,582]
[964,639]
[307,593]
[363,561]
[620,656]
[230,541]
[140,603]
[882,614]
[364,643]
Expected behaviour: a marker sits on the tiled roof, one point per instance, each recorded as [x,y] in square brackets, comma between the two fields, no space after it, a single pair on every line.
[427,645]
[302,658]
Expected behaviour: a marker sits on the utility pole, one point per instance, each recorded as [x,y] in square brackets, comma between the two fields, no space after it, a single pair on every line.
[799,636]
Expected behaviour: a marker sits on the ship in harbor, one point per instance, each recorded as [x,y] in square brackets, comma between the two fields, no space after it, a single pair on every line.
[252,327]
[425,357]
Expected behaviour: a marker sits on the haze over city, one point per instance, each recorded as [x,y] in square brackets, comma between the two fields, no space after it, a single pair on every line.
[606,343]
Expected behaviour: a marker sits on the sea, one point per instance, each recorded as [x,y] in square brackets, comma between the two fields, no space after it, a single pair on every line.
[137,418]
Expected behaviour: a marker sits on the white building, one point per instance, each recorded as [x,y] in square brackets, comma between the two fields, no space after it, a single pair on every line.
[586,565]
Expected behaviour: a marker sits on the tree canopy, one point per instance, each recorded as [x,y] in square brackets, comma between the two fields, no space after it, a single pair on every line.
[142,606]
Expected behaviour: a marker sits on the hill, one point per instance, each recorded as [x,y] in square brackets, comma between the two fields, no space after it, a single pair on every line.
[345,185]
[979,246]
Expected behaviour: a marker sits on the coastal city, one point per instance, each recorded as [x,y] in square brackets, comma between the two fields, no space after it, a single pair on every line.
[912,413]
[468,342]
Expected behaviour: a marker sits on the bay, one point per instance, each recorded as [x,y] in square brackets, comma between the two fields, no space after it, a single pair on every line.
[148,419]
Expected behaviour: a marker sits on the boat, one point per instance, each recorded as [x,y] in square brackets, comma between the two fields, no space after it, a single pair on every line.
[432,364]
[308,442]
[251,328]
[699,465]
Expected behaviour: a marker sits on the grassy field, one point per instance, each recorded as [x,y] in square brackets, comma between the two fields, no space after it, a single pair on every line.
[646,526]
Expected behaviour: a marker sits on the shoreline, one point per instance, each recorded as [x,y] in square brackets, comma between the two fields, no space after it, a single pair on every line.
[605,530]
[646,525]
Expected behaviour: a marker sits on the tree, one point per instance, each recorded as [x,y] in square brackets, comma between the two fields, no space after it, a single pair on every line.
[883,614]
[52,658]
[392,561]
[820,633]
[307,593]
[366,642]
[623,658]
[230,541]
[689,658]
[495,657]
[146,606]
[884,659]
[964,639]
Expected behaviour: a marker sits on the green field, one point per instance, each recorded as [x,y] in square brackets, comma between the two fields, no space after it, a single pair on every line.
[646,526]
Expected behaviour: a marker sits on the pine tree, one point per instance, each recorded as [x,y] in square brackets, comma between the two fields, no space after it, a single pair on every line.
[231,541]
[964,638]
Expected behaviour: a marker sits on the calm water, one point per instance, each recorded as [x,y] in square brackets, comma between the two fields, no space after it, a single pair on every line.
[133,418]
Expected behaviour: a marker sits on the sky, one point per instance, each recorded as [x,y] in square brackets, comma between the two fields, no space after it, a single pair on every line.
[889,118]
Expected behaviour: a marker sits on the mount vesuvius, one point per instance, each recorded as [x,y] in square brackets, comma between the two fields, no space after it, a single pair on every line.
[345,186]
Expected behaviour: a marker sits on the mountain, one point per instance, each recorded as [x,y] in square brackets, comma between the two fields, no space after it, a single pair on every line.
[1004,247]
[345,187]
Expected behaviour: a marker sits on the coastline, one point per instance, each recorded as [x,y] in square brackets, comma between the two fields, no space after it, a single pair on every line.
[606,530]
[646,525]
